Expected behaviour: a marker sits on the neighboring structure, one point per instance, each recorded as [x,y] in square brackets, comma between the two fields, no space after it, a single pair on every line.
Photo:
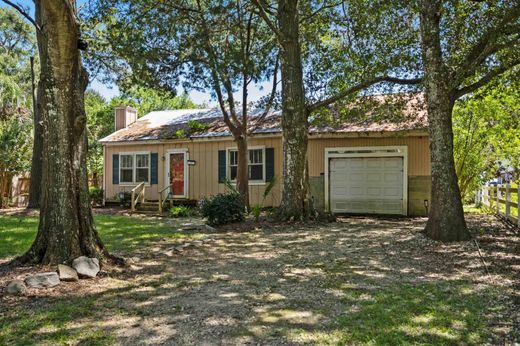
[367,165]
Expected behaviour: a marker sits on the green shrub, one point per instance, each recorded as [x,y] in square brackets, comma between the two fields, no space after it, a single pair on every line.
[96,195]
[181,211]
[223,208]
[256,210]
[124,198]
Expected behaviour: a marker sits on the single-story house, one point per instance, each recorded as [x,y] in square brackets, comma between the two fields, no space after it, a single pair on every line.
[374,163]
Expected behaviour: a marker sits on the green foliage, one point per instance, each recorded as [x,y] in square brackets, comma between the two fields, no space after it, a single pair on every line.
[96,195]
[17,44]
[100,115]
[181,211]
[180,133]
[223,208]
[124,198]
[197,126]
[256,209]
[15,149]
[486,129]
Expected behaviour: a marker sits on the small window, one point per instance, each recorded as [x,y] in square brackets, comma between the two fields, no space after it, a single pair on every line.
[255,165]
[127,168]
[142,167]
[233,164]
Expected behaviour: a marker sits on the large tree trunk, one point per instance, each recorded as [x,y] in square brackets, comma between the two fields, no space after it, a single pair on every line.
[36,163]
[66,228]
[295,202]
[446,216]
[243,169]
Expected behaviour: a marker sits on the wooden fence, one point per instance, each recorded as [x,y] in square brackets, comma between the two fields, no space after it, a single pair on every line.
[502,199]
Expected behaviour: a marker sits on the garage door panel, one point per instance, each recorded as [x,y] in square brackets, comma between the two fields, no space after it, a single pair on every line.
[393,178]
[367,185]
[374,177]
[355,163]
[355,177]
[373,163]
[393,163]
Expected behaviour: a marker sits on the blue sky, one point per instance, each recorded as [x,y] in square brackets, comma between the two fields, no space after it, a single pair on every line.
[111,90]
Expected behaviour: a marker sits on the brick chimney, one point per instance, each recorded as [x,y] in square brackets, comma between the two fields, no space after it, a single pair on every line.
[124,116]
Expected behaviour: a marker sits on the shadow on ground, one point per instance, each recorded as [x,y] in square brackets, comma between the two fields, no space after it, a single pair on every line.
[358,281]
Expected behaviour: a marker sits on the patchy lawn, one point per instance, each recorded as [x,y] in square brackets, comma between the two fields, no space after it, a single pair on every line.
[358,281]
[122,234]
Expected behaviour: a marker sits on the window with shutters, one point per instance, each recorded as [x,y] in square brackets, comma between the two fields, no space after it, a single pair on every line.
[142,167]
[134,168]
[256,164]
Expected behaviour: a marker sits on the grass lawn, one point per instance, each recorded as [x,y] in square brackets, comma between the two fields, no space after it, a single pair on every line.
[119,233]
[361,281]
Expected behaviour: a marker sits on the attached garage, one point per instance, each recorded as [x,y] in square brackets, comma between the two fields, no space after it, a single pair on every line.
[366,180]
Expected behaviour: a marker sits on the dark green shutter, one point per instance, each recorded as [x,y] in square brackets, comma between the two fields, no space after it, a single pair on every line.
[269,164]
[154,158]
[221,166]
[115,169]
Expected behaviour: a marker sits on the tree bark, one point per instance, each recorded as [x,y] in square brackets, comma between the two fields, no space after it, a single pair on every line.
[446,216]
[295,201]
[36,163]
[243,168]
[66,228]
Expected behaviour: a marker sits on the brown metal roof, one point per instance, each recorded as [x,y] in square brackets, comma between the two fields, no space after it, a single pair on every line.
[384,113]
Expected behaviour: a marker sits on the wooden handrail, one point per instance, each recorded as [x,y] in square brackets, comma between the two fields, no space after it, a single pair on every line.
[161,198]
[134,199]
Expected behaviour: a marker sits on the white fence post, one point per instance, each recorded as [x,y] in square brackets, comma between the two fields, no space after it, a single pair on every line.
[508,199]
[498,198]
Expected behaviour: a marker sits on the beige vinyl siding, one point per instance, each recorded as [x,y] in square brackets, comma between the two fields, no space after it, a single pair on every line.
[203,176]
[418,151]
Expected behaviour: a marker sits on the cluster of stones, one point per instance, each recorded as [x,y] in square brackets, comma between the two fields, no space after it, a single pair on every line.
[82,267]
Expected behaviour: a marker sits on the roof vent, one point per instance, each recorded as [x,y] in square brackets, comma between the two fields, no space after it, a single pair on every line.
[124,116]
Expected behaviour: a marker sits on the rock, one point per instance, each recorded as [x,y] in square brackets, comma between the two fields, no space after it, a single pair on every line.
[16,287]
[86,266]
[179,248]
[190,226]
[197,243]
[49,279]
[67,273]
[209,228]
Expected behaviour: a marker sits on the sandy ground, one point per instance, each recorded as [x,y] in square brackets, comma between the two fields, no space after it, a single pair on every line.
[282,284]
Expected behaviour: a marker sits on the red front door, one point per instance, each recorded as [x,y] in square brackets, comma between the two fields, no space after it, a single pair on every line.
[177,174]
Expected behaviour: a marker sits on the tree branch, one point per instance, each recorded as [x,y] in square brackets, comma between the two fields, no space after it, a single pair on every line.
[485,46]
[267,108]
[324,7]
[484,80]
[358,87]
[23,13]
[262,12]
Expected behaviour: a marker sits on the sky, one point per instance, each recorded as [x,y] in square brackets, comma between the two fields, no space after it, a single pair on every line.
[111,90]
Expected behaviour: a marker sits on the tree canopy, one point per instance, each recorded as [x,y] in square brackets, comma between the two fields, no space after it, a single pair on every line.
[486,130]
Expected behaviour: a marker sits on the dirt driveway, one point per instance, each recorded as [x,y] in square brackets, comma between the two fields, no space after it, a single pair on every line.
[356,281]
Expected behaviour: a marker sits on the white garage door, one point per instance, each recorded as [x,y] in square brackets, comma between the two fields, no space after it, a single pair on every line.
[372,185]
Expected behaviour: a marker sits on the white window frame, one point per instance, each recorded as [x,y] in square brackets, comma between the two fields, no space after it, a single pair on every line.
[382,151]
[228,167]
[186,170]
[134,167]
